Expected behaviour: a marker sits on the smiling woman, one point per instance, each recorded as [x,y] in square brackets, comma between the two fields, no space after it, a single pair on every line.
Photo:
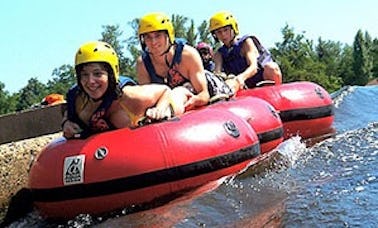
[102,102]
[94,79]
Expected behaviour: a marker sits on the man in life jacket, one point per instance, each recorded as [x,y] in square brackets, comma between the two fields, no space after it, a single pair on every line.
[170,61]
[101,101]
[243,57]
[206,52]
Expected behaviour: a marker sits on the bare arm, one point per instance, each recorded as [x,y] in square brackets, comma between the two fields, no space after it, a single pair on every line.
[69,128]
[152,99]
[193,68]
[249,51]
[218,62]
[142,75]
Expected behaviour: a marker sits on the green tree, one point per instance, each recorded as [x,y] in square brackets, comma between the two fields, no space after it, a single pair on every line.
[179,22]
[369,57]
[300,62]
[62,79]
[133,49]
[204,33]
[346,62]
[374,54]
[292,54]
[362,61]
[112,35]
[4,103]
[31,94]
[7,101]
[12,101]
[329,53]
[191,35]
[133,40]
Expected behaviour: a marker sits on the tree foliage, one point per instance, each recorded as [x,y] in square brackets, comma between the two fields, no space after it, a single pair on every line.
[112,35]
[31,94]
[362,64]
[204,33]
[5,105]
[374,55]
[328,63]
[62,79]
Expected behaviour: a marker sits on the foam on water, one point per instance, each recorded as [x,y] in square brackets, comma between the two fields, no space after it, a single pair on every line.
[292,149]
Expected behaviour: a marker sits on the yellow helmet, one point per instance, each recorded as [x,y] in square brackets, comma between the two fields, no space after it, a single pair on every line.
[156,22]
[98,51]
[221,19]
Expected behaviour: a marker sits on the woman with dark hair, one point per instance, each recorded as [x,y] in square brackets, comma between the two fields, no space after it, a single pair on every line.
[100,101]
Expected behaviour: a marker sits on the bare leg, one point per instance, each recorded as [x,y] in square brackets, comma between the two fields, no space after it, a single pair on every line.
[273,72]
[179,98]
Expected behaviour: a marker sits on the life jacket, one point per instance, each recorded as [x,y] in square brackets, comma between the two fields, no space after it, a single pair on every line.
[235,63]
[215,85]
[210,66]
[174,78]
[98,121]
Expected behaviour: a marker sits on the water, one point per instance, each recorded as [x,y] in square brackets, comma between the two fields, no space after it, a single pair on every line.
[333,183]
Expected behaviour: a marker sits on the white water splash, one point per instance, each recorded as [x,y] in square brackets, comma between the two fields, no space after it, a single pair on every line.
[291,149]
[339,96]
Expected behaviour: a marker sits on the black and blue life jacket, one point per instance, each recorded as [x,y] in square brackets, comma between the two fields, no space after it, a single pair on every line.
[180,43]
[210,66]
[100,112]
[216,85]
[235,63]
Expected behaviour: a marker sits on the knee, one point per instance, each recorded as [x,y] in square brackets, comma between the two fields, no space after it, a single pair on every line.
[273,72]
[272,69]
[179,96]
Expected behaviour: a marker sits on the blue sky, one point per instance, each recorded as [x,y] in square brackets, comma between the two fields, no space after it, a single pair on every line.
[39,36]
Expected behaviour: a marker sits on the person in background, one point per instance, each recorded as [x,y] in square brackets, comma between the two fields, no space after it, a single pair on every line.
[100,102]
[206,52]
[243,57]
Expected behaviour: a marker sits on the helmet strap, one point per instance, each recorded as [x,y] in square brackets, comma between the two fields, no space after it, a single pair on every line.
[234,36]
[98,99]
[232,39]
[168,49]
[215,37]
